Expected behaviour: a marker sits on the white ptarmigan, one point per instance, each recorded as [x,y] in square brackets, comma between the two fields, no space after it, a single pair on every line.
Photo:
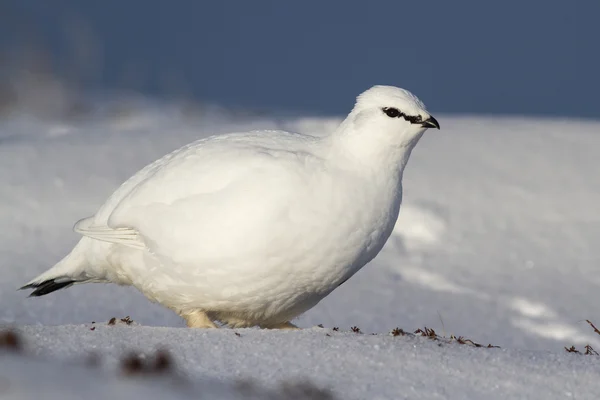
[253,228]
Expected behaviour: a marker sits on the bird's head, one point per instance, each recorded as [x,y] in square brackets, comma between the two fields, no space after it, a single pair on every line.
[389,116]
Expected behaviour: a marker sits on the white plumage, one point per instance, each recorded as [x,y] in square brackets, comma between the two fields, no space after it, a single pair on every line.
[253,228]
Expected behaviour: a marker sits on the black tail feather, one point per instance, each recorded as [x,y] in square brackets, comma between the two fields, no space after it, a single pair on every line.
[46,287]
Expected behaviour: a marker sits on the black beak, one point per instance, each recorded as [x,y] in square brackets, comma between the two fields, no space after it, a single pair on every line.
[431,123]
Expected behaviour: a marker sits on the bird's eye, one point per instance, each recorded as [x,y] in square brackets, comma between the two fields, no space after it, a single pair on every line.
[391,112]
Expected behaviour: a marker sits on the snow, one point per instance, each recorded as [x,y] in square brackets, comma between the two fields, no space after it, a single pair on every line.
[496,241]
[356,366]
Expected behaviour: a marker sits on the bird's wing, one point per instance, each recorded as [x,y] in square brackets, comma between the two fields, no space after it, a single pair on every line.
[125,236]
[225,196]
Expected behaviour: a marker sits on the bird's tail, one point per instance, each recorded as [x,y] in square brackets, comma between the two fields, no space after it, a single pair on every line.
[67,272]
[48,286]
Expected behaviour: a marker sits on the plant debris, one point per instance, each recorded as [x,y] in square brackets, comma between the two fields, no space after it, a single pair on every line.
[589,350]
[299,390]
[572,349]
[162,361]
[304,390]
[10,340]
[134,364]
[398,332]
[593,327]
[463,340]
[431,334]
[127,321]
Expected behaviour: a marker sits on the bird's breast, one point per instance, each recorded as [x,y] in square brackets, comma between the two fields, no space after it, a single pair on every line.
[357,223]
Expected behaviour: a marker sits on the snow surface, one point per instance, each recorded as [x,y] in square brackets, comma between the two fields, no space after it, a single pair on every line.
[496,241]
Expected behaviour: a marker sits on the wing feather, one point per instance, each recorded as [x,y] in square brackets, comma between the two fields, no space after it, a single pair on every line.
[124,236]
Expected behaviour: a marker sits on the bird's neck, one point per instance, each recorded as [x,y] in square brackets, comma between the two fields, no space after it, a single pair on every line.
[369,152]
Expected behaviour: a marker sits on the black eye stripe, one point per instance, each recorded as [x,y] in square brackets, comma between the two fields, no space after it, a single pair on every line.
[395,113]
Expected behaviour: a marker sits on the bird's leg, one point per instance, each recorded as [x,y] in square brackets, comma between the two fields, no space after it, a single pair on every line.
[198,319]
[285,325]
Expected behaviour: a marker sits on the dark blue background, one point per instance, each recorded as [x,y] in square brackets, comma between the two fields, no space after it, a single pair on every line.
[471,56]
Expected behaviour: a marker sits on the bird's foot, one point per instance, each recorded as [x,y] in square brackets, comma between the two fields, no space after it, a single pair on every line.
[285,325]
[198,319]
